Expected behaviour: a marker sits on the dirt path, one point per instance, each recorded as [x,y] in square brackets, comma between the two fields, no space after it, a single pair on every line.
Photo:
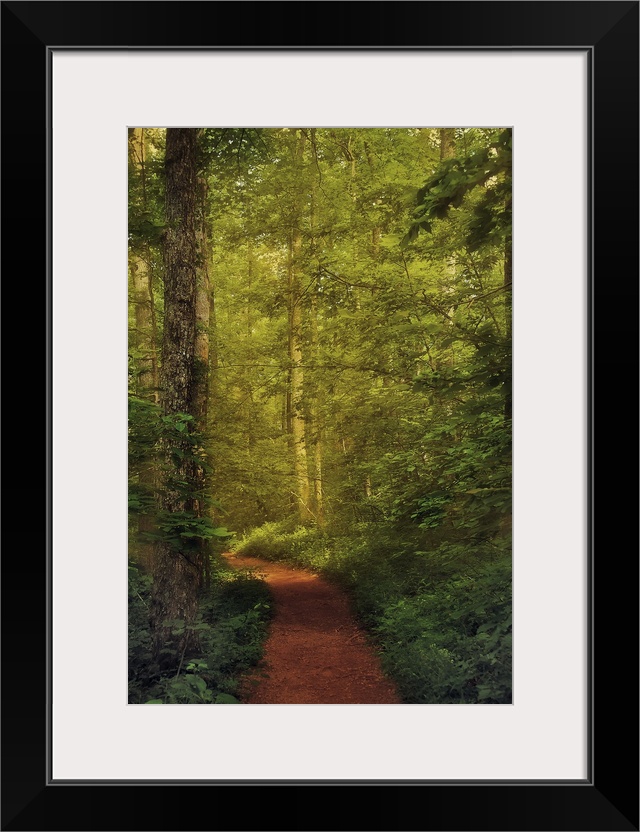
[315,653]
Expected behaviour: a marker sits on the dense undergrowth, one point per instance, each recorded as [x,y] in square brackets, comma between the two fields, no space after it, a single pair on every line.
[442,617]
[231,626]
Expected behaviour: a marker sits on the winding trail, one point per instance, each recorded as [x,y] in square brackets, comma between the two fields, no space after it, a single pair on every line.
[315,652]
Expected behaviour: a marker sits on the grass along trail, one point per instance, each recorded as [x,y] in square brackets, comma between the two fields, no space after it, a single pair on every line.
[315,652]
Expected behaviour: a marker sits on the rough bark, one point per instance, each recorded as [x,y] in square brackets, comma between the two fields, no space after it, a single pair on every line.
[180,272]
[202,357]
[177,571]
[203,313]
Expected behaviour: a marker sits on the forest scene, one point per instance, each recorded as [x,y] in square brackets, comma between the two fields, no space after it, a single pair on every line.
[320,440]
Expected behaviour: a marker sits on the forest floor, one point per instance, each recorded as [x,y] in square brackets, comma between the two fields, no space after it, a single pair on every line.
[315,652]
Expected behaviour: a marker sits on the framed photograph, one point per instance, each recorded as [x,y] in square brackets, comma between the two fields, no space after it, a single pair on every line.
[558,83]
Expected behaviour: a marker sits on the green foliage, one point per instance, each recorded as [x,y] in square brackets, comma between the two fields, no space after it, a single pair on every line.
[185,528]
[186,446]
[146,215]
[452,643]
[284,541]
[441,614]
[231,627]
[144,430]
[139,634]
[148,429]
[231,147]
[490,218]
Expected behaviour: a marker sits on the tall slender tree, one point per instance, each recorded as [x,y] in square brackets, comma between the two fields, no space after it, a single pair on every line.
[145,331]
[144,341]
[296,408]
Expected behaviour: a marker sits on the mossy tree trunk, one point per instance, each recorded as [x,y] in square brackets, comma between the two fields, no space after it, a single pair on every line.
[177,573]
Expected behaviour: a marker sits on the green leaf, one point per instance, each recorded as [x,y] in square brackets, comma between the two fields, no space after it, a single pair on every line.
[221,532]
[154,702]
[198,682]
[225,699]
[198,664]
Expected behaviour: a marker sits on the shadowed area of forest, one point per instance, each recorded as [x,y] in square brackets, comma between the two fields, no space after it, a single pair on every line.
[320,379]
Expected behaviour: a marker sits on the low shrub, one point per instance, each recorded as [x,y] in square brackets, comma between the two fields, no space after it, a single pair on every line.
[231,625]
[441,614]
[452,643]
[299,545]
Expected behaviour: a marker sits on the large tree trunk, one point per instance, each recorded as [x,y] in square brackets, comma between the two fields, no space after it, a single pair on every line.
[202,365]
[177,574]
[203,313]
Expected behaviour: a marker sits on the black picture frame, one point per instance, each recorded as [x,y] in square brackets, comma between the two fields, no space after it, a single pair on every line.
[608,799]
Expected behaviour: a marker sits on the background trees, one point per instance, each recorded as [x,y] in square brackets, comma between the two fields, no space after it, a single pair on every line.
[335,318]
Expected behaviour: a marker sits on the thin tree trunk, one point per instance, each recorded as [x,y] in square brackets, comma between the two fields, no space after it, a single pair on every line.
[318,492]
[145,389]
[297,419]
[448,151]
[213,352]
[508,297]
[177,574]
[140,277]
[315,426]
[145,342]
[147,362]
[155,371]
[376,231]
[296,403]
[447,143]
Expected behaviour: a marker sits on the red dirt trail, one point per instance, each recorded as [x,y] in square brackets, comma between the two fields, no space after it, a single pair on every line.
[315,652]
